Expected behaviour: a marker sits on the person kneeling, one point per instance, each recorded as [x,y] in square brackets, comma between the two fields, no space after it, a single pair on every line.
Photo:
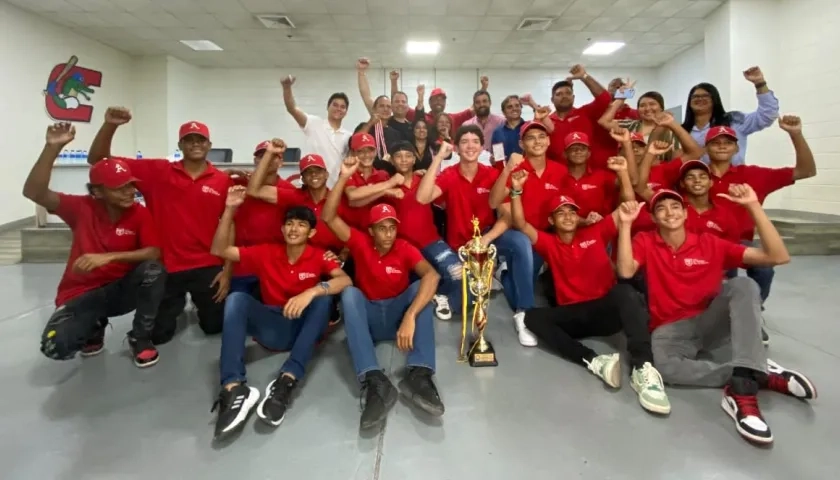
[590,302]
[113,266]
[692,311]
[385,307]
[293,314]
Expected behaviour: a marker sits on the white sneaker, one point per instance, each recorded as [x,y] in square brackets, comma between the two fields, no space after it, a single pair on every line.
[607,367]
[526,338]
[442,309]
[496,285]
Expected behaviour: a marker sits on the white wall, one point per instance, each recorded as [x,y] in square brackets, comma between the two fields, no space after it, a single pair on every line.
[684,71]
[30,48]
[245,106]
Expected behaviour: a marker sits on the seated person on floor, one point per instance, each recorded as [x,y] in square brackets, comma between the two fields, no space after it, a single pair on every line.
[692,311]
[114,265]
[383,306]
[293,314]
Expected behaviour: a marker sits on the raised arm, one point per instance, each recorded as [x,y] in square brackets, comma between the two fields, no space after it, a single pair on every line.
[768,105]
[691,150]
[517,212]
[101,146]
[805,166]
[376,190]
[607,120]
[289,100]
[626,265]
[270,160]
[622,136]
[428,191]
[222,245]
[500,189]
[364,85]
[619,165]
[772,251]
[330,212]
[37,185]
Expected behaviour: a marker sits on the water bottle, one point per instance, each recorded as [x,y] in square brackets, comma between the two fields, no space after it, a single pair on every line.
[62,156]
[71,156]
[83,157]
[178,155]
[139,155]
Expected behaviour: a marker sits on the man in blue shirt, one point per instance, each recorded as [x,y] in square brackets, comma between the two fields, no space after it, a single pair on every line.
[508,134]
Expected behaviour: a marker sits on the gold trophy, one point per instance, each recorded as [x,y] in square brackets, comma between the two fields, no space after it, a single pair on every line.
[478,263]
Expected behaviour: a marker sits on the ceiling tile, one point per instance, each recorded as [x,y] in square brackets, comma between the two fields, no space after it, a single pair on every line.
[629,8]
[507,7]
[85,19]
[675,25]
[223,7]
[546,8]
[305,21]
[606,24]
[424,22]
[157,17]
[387,7]
[264,6]
[684,38]
[239,20]
[585,8]
[181,5]
[353,22]
[426,7]
[305,6]
[46,5]
[494,23]
[565,23]
[475,8]
[94,5]
[483,37]
[458,22]
[120,19]
[699,9]
[641,24]
[665,8]
[198,20]
[651,38]
[131,5]
[346,7]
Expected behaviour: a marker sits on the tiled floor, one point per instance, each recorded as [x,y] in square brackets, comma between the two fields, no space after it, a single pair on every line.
[534,416]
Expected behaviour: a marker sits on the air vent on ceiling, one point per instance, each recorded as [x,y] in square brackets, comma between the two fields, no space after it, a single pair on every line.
[534,23]
[276,21]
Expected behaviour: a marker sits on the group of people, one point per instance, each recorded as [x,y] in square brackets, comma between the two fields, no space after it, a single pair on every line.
[631,221]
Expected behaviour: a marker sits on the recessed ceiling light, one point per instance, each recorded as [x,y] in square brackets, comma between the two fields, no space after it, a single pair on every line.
[422,48]
[202,45]
[603,48]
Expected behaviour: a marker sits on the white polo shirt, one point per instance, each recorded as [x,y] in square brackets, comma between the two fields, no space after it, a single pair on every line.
[329,143]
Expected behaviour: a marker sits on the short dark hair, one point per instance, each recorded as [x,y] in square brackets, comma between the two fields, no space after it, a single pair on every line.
[376,101]
[480,93]
[655,96]
[561,84]
[339,96]
[302,213]
[465,129]
[399,92]
[507,100]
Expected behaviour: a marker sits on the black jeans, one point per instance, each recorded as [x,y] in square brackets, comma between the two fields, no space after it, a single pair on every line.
[196,282]
[75,322]
[559,328]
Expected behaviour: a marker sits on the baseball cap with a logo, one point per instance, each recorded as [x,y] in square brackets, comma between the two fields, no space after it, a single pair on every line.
[111,173]
[576,138]
[693,165]
[529,125]
[562,201]
[436,92]
[261,147]
[362,140]
[662,194]
[638,137]
[197,128]
[381,212]
[311,160]
[715,132]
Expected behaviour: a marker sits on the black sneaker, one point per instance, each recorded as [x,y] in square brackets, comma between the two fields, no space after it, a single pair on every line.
[418,387]
[144,352]
[748,418]
[96,343]
[278,397]
[234,405]
[380,396]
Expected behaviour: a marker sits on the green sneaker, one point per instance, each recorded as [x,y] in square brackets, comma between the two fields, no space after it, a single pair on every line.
[647,382]
[607,367]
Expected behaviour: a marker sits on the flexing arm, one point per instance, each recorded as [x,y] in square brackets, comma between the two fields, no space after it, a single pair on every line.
[364,85]
[269,161]
[329,214]
[517,211]
[500,189]
[37,185]
[772,251]
[805,166]
[428,191]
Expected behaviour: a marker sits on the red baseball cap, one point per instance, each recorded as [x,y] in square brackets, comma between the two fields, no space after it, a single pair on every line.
[311,160]
[261,146]
[575,138]
[111,173]
[718,131]
[663,194]
[381,212]
[362,140]
[638,137]
[562,201]
[193,127]
[529,125]
[691,165]
[436,92]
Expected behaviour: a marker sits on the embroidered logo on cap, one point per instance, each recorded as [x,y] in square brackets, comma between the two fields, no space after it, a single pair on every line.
[575,136]
[366,137]
[386,209]
[194,126]
[119,168]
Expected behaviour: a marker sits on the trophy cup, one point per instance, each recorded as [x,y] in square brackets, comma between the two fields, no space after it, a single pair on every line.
[478,263]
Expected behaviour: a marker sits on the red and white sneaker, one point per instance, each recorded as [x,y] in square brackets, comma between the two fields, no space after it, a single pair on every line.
[144,352]
[96,343]
[748,419]
[789,382]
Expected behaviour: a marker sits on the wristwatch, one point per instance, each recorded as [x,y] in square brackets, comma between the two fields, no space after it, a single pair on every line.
[326,287]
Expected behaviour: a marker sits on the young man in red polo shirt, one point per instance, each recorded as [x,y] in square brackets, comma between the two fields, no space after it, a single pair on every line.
[186,199]
[465,188]
[722,145]
[292,315]
[367,182]
[384,306]
[590,303]
[691,310]
[113,266]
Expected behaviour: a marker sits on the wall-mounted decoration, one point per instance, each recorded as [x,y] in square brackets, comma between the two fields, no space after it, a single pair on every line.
[68,92]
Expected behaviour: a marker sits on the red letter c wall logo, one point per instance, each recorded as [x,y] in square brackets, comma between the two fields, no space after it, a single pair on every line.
[68,91]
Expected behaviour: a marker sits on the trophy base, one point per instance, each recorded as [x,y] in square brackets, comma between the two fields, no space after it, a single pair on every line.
[482,358]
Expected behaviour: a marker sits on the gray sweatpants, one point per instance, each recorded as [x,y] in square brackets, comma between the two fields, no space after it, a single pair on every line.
[733,318]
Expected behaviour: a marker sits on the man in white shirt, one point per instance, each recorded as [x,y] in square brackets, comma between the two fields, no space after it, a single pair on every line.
[325,137]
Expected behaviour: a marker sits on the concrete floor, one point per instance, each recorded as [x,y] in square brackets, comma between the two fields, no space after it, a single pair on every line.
[534,416]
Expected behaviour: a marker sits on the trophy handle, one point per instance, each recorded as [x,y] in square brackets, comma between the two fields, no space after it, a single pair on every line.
[462,354]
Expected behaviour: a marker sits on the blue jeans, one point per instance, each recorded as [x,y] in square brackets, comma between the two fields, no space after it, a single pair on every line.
[523,267]
[763,276]
[446,262]
[369,321]
[245,283]
[244,316]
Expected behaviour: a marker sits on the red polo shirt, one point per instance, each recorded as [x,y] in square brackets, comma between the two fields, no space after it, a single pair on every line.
[417,225]
[324,238]
[186,210]
[682,283]
[718,220]
[584,120]
[581,270]
[357,217]
[281,279]
[382,276]
[458,118]
[95,232]
[665,175]
[627,113]
[465,199]
[595,191]
[763,180]
[539,190]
